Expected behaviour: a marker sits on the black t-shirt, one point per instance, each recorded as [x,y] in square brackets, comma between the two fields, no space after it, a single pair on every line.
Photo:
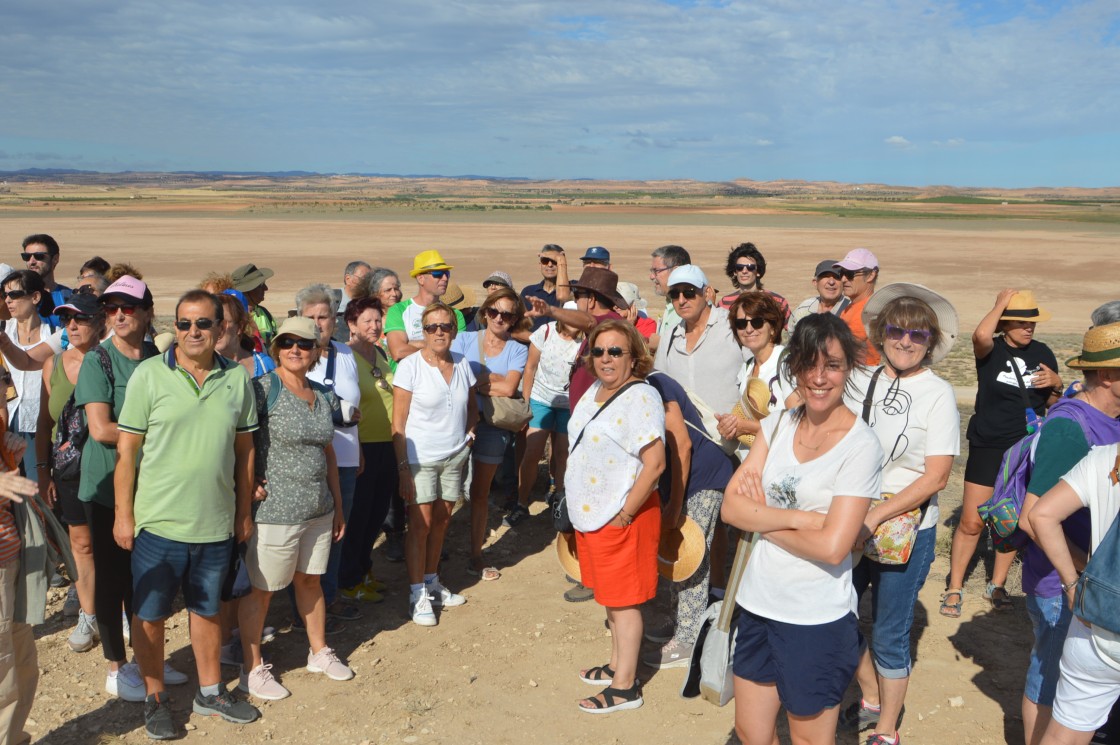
[1000,418]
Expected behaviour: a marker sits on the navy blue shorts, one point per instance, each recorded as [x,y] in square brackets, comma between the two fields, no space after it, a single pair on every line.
[811,665]
[161,566]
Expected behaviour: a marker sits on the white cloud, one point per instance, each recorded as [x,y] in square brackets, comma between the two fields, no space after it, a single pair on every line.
[897,141]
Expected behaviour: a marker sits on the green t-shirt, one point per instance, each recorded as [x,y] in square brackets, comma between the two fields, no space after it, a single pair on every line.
[185,489]
[265,324]
[1061,444]
[99,461]
[405,316]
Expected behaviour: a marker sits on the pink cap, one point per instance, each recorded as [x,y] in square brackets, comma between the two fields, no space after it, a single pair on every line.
[129,287]
[858,258]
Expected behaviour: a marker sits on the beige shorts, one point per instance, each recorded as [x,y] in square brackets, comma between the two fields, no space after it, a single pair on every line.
[442,479]
[276,552]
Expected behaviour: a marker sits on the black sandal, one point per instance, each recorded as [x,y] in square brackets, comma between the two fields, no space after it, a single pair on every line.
[598,675]
[614,699]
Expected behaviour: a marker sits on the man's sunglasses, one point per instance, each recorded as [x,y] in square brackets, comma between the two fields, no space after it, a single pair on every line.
[742,323]
[203,324]
[615,352]
[440,273]
[37,255]
[15,294]
[849,274]
[128,310]
[431,328]
[493,314]
[746,267]
[65,318]
[547,261]
[287,342]
[918,336]
[689,293]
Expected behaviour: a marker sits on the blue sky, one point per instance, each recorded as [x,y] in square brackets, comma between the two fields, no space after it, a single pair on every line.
[971,93]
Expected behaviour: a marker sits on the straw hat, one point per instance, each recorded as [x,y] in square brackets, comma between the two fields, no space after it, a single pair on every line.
[458,297]
[566,553]
[942,308]
[1023,307]
[755,404]
[680,551]
[1100,349]
[428,261]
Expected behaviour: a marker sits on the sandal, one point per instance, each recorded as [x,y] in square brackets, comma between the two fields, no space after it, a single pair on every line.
[601,675]
[478,568]
[952,610]
[613,699]
[998,597]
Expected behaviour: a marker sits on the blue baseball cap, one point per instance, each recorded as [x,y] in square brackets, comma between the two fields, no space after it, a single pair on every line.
[596,253]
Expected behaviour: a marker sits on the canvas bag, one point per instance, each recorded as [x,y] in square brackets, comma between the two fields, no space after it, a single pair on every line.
[501,411]
[1097,598]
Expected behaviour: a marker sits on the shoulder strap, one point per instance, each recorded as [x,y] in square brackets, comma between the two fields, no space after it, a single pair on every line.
[481,353]
[331,354]
[602,408]
[106,364]
[1114,474]
[273,392]
[1002,344]
[869,399]
[742,554]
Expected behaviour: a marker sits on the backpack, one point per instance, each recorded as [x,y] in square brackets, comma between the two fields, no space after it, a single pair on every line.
[272,393]
[72,430]
[1001,511]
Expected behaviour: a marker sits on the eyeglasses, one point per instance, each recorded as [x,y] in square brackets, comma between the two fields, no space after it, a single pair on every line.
[431,328]
[746,267]
[287,342]
[128,310]
[615,352]
[65,318]
[742,323]
[688,292]
[505,315]
[849,275]
[918,336]
[85,290]
[203,324]
[15,294]
[440,273]
[654,271]
[548,262]
[37,255]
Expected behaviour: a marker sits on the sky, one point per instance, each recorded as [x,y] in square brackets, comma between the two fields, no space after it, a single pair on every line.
[906,92]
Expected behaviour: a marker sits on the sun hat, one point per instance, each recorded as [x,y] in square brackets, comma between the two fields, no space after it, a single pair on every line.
[687,274]
[566,553]
[944,311]
[428,261]
[828,266]
[1023,307]
[498,278]
[458,297]
[602,282]
[5,270]
[680,550]
[754,404]
[82,304]
[304,328]
[1099,349]
[248,277]
[630,294]
[128,287]
[596,253]
[856,259]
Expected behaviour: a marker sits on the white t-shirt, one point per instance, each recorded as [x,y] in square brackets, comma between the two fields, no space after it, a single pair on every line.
[602,470]
[913,418]
[554,371]
[782,586]
[770,371]
[29,383]
[1089,479]
[437,417]
[347,448]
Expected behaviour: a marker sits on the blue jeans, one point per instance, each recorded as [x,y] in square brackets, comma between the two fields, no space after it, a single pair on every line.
[160,566]
[1050,618]
[347,477]
[894,594]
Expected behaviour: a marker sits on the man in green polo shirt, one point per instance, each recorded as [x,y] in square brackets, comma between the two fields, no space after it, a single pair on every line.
[402,321]
[193,412]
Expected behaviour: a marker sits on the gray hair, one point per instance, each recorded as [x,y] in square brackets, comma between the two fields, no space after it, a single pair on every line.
[1106,314]
[317,294]
[377,275]
[98,280]
[353,267]
[672,255]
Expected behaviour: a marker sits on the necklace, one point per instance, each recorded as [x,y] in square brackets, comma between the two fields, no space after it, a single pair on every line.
[824,438]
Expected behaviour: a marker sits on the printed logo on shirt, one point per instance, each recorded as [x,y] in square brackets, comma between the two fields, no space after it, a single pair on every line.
[783,493]
[1007,375]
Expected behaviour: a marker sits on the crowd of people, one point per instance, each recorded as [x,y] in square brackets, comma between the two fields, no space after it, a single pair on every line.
[276,454]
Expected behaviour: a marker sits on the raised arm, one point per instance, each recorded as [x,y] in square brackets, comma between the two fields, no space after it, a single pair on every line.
[982,337]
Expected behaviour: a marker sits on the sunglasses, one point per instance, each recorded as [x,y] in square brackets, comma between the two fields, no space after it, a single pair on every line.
[37,255]
[689,293]
[615,352]
[742,323]
[203,324]
[287,342]
[548,262]
[431,328]
[746,267]
[128,310]
[918,336]
[85,290]
[440,274]
[379,376]
[15,294]
[493,314]
[849,275]
[66,318]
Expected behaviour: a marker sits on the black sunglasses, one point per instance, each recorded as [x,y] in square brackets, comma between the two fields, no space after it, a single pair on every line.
[379,376]
[85,290]
[742,323]
[37,255]
[15,294]
[688,292]
[431,328]
[64,319]
[203,324]
[548,262]
[111,309]
[505,315]
[849,275]
[615,352]
[287,342]
[746,267]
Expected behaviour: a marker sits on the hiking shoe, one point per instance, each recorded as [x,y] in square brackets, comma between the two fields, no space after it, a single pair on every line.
[158,723]
[343,611]
[579,594]
[672,654]
[173,677]
[362,593]
[858,716]
[126,683]
[420,608]
[57,580]
[326,661]
[71,607]
[394,547]
[444,598]
[259,682]
[227,707]
[515,517]
[84,635]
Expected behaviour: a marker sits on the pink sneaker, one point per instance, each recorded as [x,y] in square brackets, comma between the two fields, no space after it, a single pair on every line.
[326,661]
[260,683]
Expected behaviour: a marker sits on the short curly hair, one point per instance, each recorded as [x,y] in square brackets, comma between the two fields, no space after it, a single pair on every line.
[643,360]
[758,305]
[745,251]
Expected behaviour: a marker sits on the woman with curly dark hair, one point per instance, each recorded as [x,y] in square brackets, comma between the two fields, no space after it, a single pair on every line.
[746,266]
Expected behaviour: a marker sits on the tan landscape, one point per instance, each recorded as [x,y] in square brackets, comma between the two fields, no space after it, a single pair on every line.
[502,669]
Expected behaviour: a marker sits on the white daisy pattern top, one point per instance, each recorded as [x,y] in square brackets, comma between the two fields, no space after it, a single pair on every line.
[602,470]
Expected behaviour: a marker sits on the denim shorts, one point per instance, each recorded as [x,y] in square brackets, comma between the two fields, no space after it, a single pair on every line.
[161,566]
[490,443]
[1050,619]
[553,418]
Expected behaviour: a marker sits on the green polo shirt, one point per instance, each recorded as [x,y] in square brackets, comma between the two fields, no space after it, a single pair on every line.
[185,488]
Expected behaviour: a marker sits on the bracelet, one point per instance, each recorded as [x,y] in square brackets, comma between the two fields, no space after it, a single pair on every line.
[1067,585]
[627,518]
[470,435]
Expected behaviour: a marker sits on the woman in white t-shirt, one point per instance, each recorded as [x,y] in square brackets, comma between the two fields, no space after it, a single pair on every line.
[434,419]
[805,489]
[913,413]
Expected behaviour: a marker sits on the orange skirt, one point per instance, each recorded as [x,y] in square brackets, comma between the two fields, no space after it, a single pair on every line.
[620,564]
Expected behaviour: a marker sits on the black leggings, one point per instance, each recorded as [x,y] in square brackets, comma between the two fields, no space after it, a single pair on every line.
[373,493]
[112,567]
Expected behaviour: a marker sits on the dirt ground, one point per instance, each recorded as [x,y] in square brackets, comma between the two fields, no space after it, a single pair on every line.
[502,669]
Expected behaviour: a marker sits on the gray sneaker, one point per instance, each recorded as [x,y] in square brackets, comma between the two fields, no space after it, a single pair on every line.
[579,594]
[84,635]
[227,707]
[71,607]
[672,654]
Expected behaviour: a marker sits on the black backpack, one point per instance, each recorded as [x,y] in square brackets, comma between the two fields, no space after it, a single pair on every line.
[72,431]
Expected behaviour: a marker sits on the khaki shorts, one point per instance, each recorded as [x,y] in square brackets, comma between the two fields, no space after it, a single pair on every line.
[277,552]
[440,480]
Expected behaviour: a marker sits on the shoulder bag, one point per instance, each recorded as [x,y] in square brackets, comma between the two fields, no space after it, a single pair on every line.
[503,412]
[1097,599]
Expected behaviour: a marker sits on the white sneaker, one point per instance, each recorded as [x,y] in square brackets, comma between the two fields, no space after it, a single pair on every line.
[260,683]
[420,608]
[84,635]
[126,684]
[444,598]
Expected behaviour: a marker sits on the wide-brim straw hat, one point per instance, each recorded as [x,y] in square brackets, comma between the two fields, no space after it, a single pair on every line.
[566,553]
[754,404]
[428,261]
[680,551]
[458,297]
[1023,307]
[1100,349]
[946,314]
